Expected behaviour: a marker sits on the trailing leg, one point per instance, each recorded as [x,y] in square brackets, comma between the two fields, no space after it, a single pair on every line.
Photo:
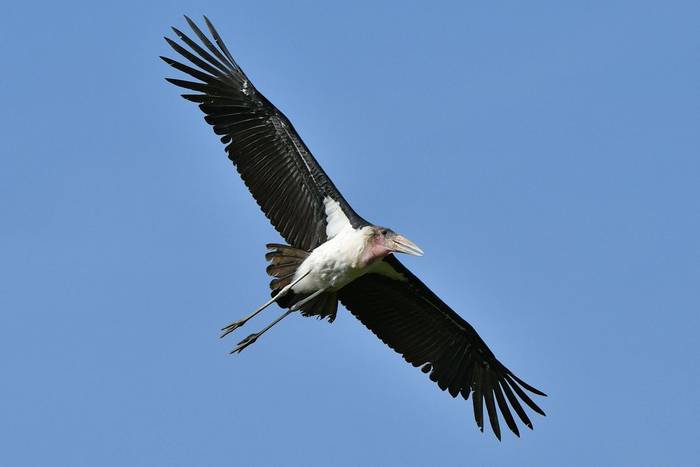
[254,337]
[237,324]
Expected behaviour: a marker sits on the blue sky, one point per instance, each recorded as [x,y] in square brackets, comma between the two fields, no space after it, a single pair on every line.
[545,155]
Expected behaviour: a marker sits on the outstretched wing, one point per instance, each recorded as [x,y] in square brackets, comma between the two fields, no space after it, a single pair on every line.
[284,178]
[407,316]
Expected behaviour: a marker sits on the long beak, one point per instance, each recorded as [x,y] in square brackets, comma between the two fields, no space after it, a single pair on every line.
[404,245]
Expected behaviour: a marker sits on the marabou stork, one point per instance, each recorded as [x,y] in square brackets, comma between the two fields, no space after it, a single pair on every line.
[333,253]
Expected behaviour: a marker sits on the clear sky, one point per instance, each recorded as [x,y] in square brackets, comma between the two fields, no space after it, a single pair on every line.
[544,154]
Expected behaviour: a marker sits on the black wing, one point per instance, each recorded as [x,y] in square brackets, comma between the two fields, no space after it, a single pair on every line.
[275,164]
[412,320]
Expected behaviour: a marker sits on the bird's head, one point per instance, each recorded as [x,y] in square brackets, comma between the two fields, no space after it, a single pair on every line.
[382,242]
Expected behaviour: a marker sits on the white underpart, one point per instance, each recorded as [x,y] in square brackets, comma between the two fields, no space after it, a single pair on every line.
[336,220]
[337,262]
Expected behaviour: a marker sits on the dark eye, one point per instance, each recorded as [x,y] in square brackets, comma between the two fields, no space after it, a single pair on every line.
[383,231]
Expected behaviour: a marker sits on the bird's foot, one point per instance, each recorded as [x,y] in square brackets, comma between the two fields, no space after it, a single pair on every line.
[246,342]
[232,327]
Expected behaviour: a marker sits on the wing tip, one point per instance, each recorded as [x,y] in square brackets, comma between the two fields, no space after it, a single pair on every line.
[177,32]
[525,385]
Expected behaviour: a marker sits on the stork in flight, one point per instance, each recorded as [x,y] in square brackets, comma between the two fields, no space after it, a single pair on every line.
[333,254]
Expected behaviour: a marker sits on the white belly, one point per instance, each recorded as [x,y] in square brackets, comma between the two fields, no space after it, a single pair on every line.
[334,263]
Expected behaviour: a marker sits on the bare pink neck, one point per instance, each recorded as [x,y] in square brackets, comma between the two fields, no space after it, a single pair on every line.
[375,250]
